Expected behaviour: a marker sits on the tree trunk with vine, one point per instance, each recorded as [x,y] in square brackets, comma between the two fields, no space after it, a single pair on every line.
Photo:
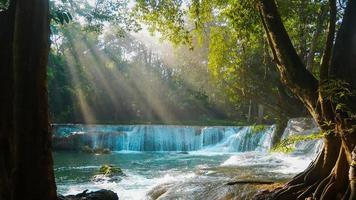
[330,100]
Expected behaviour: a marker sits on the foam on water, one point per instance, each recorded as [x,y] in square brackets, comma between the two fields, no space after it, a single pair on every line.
[188,151]
[131,187]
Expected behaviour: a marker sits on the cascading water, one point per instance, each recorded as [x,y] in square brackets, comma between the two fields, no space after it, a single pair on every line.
[164,138]
[152,158]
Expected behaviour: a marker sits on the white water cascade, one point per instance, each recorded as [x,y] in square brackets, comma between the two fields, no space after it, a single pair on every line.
[187,162]
[164,138]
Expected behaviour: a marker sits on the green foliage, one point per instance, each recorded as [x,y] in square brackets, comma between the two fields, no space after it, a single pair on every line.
[258,128]
[59,13]
[4,4]
[238,56]
[287,145]
[166,17]
[336,91]
[90,74]
[61,17]
[93,15]
[229,67]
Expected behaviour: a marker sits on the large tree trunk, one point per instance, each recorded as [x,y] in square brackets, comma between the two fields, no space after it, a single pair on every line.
[6,100]
[26,170]
[327,177]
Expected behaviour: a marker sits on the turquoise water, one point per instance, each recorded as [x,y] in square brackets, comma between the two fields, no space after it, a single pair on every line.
[218,156]
[144,170]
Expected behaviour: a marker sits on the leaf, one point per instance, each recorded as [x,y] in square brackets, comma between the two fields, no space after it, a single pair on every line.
[66,18]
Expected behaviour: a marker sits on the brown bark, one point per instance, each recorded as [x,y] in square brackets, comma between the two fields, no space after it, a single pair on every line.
[26,170]
[281,125]
[344,55]
[325,63]
[326,178]
[6,101]
[316,35]
[293,73]
[352,176]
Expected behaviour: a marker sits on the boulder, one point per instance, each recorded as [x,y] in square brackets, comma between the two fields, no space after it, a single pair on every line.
[109,173]
[99,150]
[97,195]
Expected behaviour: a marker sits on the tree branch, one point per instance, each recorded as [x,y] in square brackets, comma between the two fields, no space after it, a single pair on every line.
[343,61]
[326,60]
[292,70]
[319,27]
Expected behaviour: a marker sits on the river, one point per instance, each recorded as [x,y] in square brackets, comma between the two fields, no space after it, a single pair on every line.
[175,162]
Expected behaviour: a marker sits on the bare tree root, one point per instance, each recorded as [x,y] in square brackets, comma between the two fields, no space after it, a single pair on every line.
[324,179]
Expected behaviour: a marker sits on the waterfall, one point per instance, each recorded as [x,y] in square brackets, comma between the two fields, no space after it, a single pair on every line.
[162,138]
[303,126]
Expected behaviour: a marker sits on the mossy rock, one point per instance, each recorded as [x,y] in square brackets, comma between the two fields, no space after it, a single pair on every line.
[258,128]
[108,173]
[88,149]
[102,151]
[109,170]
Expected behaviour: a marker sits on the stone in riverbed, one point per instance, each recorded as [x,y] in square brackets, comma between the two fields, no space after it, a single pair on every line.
[97,195]
[99,150]
[109,173]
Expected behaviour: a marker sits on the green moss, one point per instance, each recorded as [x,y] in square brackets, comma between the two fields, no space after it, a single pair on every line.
[288,145]
[258,128]
[109,170]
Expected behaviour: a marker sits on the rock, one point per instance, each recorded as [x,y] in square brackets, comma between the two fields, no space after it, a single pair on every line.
[101,178]
[102,151]
[254,182]
[300,126]
[68,143]
[159,190]
[87,149]
[109,173]
[97,195]
[183,152]
[111,170]
[75,141]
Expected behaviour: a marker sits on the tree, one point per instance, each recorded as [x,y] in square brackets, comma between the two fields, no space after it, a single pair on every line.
[329,98]
[25,139]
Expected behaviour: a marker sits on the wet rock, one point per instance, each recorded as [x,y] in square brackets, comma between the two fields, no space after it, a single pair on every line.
[87,149]
[159,190]
[97,195]
[102,178]
[109,173]
[75,141]
[111,170]
[300,126]
[183,152]
[68,143]
[254,182]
